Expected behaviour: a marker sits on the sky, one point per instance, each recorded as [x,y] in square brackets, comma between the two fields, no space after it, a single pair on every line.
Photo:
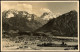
[38,8]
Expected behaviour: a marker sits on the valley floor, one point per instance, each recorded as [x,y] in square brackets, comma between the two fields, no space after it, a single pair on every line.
[10,44]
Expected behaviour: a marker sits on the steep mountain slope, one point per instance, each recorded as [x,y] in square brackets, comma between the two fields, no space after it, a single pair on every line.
[64,25]
[19,20]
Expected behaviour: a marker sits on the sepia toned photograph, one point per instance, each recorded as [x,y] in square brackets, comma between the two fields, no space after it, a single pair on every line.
[39,25]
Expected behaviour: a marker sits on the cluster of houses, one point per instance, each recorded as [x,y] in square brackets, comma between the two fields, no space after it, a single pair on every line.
[29,33]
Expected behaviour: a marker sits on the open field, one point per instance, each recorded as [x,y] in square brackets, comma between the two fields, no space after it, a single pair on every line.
[30,43]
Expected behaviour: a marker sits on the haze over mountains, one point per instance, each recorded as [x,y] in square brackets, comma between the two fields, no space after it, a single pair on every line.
[63,25]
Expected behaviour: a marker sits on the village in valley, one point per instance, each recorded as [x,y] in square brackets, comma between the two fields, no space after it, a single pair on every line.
[22,30]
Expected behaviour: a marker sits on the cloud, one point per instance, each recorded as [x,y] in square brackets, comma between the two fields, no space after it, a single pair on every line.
[49,16]
[44,10]
[29,8]
[24,7]
[19,7]
[40,11]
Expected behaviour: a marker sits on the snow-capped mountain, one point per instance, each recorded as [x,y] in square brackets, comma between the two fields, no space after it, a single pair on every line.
[63,25]
[22,20]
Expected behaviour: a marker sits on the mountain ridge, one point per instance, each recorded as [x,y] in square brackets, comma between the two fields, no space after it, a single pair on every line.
[21,20]
[62,26]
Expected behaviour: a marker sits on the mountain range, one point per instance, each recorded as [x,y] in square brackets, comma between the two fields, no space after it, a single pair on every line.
[63,25]
[21,20]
